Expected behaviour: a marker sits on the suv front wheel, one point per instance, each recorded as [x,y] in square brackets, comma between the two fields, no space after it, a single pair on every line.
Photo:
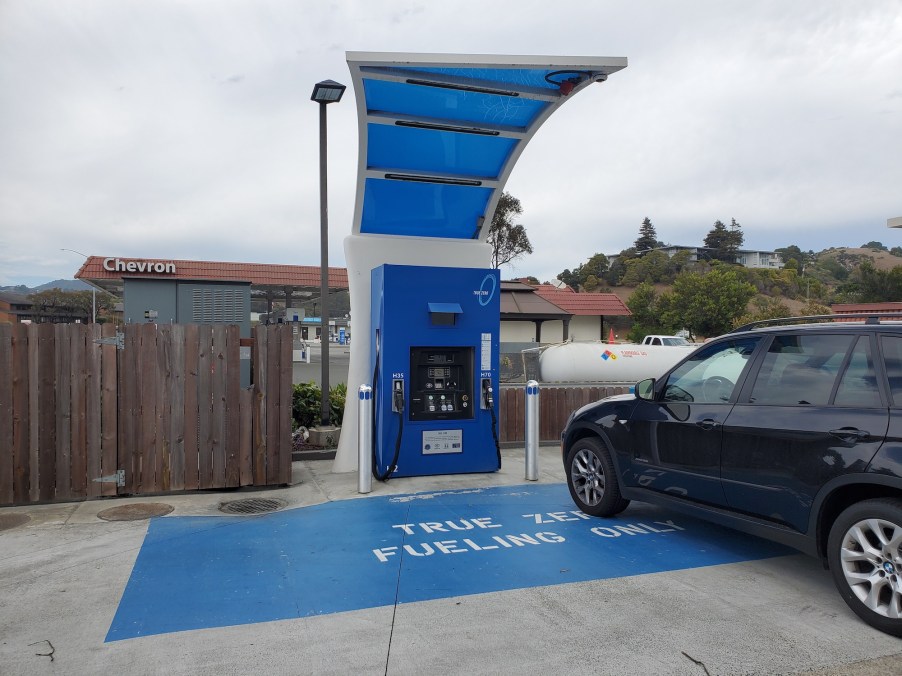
[592,479]
[864,552]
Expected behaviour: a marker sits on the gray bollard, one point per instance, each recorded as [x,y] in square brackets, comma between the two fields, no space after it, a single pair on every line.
[532,431]
[364,439]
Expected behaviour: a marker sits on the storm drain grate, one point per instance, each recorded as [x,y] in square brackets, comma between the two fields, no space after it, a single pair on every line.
[252,506]
[8,521]
[135,512]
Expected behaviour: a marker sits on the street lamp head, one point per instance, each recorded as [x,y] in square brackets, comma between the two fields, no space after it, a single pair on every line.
[327,91]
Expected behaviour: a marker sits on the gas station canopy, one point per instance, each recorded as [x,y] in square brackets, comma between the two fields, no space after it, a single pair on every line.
[439,134]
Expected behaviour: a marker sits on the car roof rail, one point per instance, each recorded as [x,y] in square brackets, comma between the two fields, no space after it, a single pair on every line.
[869,317]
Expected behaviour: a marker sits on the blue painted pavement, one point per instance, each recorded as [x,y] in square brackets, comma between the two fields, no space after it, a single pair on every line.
[201,572]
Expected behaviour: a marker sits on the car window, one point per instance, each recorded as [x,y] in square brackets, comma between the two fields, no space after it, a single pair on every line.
[858,385]
[710,375]
[799,370]
[675,342]
[892,355]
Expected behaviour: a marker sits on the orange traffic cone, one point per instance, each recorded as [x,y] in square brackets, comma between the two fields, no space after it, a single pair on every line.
[611,336]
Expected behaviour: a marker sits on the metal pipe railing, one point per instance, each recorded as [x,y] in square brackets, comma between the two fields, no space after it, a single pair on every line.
[364,439]
[532,431]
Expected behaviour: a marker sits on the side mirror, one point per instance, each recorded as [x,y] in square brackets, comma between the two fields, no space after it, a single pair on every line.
[645,389]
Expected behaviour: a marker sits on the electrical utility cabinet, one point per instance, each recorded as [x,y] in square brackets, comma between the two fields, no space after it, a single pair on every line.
[171,301]
[435,341]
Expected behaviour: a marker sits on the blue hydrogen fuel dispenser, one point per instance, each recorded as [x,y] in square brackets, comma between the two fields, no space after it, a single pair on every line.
[435,342]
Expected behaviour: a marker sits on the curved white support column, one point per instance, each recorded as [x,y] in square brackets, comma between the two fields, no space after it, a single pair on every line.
[362,254]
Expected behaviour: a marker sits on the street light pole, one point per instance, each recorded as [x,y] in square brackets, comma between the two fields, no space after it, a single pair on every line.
[93,289]
[324,93]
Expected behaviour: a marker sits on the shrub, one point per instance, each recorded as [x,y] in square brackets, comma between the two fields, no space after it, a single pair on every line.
[306,402]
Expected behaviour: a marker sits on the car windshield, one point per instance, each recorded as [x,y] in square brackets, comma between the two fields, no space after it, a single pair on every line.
[710,374]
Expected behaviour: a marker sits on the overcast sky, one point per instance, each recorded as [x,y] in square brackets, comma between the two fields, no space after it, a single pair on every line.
[185,130]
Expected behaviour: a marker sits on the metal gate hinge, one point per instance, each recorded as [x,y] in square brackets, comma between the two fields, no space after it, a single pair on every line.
[118,478]
[118,340]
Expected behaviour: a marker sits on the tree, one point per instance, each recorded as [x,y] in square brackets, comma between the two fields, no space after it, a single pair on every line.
[724,243]
[879,246]
[578,278]
[597,266]
[870,285]
[646,316]
[59,305]
[833,268]
[618,267]
[591,284]
[706,304]
[765,308]
[814,308]
[792,252]
[735,239]
[508,239]
[680,260]
[716,239]
[648,238]
[569,278]
[653,267]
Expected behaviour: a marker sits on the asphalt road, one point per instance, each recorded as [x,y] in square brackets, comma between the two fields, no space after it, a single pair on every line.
[339,358]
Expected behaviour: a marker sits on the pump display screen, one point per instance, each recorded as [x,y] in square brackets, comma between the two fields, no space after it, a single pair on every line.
[441,386]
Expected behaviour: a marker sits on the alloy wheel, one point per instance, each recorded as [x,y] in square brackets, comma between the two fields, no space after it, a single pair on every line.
[871,559]
[587,475]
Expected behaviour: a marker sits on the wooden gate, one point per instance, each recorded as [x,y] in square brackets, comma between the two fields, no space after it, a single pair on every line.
[81,418]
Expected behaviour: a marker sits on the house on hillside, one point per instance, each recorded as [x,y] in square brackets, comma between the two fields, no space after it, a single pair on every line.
[749,258]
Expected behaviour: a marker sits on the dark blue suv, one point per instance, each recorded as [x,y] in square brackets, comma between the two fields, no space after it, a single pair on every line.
[789,432]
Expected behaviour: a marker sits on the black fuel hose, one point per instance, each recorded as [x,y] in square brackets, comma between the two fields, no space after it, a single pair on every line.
[380,476]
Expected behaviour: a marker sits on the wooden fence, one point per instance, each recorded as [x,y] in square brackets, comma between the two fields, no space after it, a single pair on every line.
[556,403]
[80,418]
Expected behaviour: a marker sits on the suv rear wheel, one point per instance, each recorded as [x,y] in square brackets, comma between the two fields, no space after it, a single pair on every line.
[865,556]
[592,479]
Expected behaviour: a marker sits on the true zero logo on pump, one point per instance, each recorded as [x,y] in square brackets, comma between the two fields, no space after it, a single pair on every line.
[486,290]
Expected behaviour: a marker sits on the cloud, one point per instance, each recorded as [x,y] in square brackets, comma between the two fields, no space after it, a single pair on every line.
[118,136]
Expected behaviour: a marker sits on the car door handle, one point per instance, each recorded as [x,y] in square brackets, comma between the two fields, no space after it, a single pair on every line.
[850,434]
[708,424]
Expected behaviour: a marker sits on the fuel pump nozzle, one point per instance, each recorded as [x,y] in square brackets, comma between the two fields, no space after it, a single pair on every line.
[488,399]
[397,406]
[397,396]
[488,402]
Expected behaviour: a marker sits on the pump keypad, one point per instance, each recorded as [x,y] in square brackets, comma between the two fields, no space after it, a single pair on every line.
[441,383]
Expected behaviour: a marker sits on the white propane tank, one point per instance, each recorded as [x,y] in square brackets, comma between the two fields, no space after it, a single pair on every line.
[597,361]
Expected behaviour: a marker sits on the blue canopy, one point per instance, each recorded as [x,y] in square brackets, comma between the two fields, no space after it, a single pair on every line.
[440,133]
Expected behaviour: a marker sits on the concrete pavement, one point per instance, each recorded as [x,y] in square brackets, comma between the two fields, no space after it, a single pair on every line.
[65,573]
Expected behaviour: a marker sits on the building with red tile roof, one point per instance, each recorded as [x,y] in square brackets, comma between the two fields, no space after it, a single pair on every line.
[272,282]
[520,303]
[887,308]
[588,309]
[108,272]
[581,315]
